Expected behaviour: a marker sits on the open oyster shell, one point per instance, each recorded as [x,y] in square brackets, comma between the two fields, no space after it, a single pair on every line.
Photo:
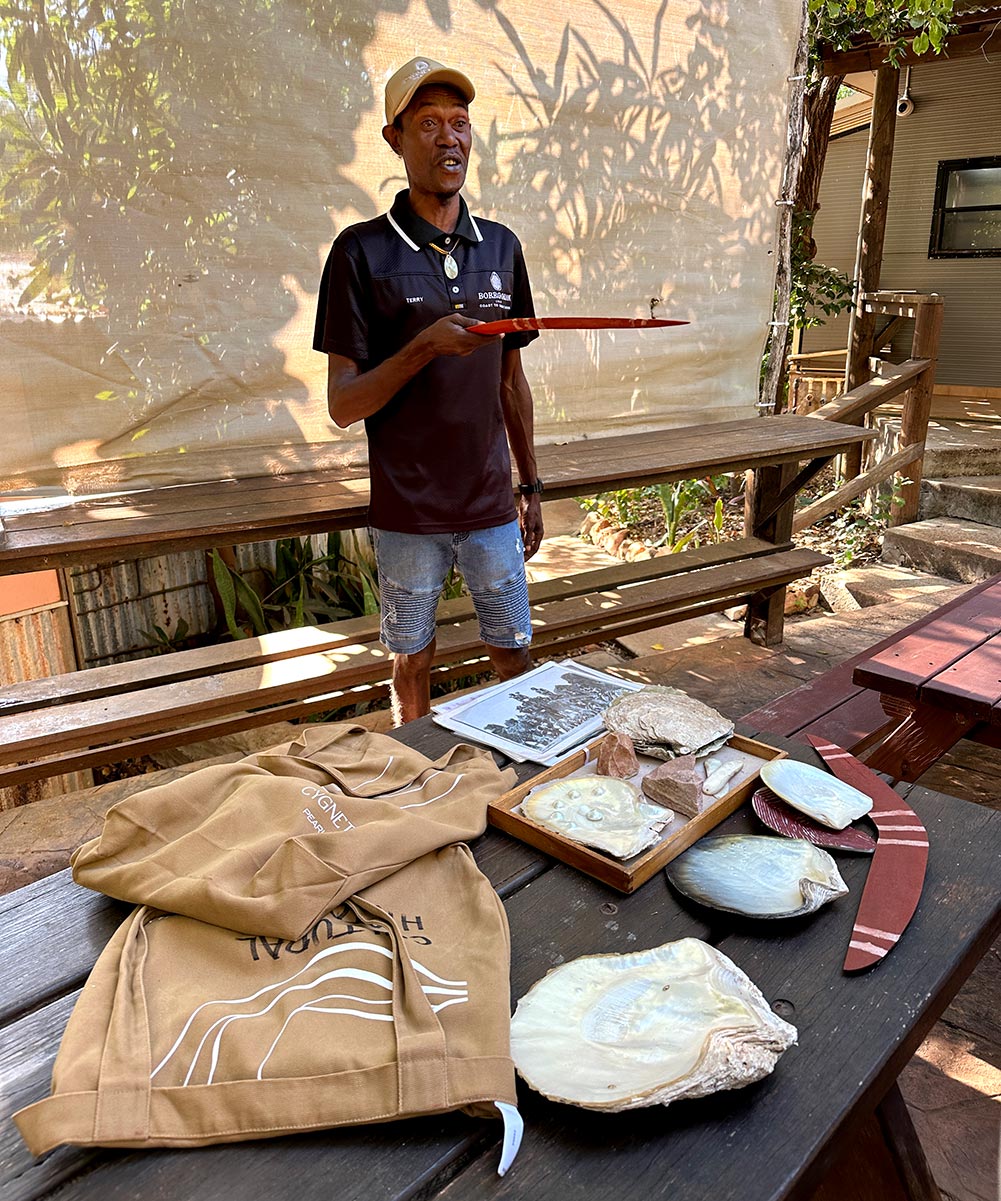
[664,722]
[598,811]
[757,875]
[815,792]
[614,1032]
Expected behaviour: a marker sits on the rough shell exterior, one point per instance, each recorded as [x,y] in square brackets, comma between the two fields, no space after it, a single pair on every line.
[617,757]
[664,722]
[615,1032]
[598,812]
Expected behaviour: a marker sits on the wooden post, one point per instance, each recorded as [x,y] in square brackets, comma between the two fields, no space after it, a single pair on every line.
[872,227]
[917,403]
[766,614]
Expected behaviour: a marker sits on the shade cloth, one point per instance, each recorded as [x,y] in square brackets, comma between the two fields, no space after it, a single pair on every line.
[637,151]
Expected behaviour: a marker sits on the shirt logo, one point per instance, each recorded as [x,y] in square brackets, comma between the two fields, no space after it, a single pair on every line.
[495,281]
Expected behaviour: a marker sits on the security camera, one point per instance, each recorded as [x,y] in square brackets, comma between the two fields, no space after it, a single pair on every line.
[905,106]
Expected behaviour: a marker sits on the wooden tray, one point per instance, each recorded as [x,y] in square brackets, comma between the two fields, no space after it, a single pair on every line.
[624,874]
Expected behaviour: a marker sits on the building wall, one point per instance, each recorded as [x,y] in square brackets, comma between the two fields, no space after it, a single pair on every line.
[957,114]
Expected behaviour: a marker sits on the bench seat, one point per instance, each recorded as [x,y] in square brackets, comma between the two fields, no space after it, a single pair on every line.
[104,714]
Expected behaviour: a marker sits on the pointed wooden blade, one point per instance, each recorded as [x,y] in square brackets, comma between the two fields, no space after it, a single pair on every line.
[897,872]
[784,820]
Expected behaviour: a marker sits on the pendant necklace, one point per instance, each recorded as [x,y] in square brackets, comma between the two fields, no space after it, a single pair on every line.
[451,266]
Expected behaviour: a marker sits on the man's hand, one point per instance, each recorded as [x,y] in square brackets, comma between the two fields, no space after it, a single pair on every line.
[450,336]
[530,520]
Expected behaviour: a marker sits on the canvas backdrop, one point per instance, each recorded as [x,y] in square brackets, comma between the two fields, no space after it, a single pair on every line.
[637,151]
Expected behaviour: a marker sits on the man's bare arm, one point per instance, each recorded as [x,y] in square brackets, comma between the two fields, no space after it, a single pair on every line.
[519,420]
[353,394]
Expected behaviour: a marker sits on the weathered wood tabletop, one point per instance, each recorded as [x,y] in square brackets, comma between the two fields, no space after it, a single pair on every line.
[771,1140]
[100,529]
[947,671]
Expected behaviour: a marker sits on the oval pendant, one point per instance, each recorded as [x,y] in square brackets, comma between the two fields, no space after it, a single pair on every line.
[451,267]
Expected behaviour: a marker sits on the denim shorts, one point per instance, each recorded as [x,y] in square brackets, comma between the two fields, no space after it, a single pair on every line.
[413,569]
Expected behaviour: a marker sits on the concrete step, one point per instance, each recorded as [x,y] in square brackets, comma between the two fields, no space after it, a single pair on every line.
[953,448]
[971,497]
[946,546]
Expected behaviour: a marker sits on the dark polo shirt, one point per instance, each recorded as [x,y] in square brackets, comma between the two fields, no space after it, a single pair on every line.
[438,452]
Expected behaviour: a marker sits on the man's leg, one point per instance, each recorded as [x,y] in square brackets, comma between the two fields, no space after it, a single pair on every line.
[412,685]
[412,569]
[508,662]
[492,563]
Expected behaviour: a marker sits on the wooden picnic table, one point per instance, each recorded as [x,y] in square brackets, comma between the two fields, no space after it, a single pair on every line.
[130,524]
[776,1139]
[942,677]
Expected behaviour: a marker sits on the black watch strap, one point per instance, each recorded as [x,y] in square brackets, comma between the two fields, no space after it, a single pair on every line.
[530,489]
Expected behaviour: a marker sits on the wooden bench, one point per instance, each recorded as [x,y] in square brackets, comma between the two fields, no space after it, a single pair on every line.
[103,714]
[830,1114]
[844,706]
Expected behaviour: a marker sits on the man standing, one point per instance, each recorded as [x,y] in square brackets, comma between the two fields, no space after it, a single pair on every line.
[440,403]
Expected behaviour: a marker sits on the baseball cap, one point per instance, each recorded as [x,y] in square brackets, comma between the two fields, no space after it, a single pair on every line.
[417,74]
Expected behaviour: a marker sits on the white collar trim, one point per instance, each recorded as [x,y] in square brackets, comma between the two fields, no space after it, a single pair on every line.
[476,228]
[409,241]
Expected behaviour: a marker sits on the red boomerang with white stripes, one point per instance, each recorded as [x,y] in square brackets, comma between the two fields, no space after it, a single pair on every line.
[897,871]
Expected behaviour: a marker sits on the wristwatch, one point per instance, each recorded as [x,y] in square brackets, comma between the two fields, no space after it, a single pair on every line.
[531,489]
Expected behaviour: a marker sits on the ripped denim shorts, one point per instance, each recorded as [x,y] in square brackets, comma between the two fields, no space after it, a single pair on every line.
[413,569]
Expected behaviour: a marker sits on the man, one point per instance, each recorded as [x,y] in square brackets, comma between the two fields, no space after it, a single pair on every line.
[398,298]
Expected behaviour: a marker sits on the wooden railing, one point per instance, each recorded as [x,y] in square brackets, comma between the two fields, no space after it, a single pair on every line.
[915,380]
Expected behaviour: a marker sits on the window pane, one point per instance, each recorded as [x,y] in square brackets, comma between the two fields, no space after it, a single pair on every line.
[971,231]
[974,185]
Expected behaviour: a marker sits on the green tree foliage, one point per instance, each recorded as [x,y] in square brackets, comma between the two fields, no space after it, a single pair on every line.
[898,25]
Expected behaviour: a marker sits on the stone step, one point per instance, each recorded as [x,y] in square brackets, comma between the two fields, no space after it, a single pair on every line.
[886,584]
[971,497]
[946,546]
[952,448]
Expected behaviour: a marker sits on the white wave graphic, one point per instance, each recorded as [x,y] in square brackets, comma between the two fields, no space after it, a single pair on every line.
[317,958]
[454,990]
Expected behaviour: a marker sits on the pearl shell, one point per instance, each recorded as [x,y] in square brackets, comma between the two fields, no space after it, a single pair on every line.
[615,1032]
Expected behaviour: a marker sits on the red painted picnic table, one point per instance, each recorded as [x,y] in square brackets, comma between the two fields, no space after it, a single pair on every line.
[943,678]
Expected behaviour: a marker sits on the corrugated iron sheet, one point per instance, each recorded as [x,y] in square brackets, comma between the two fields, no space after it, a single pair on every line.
[115,606]
[35,645]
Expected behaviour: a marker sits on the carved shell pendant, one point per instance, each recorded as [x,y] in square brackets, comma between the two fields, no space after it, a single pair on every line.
[664,722]
[815,792]
[757,875]
[599,812]
[614,1032]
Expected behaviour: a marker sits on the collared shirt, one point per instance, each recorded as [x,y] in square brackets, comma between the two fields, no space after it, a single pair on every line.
[438,452]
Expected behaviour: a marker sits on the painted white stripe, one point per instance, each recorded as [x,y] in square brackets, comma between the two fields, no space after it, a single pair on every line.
[476,228]
[919,829]
[409,241]
[379,776]
[428,989]
[421,804]
[893,813]
[826,746]
[877,933]
[839,755]
[388,796]
[445,1004]
[870,947]
[902,842]
[437,979]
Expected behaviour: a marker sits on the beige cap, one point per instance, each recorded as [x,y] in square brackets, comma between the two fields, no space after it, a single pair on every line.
[417,74]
